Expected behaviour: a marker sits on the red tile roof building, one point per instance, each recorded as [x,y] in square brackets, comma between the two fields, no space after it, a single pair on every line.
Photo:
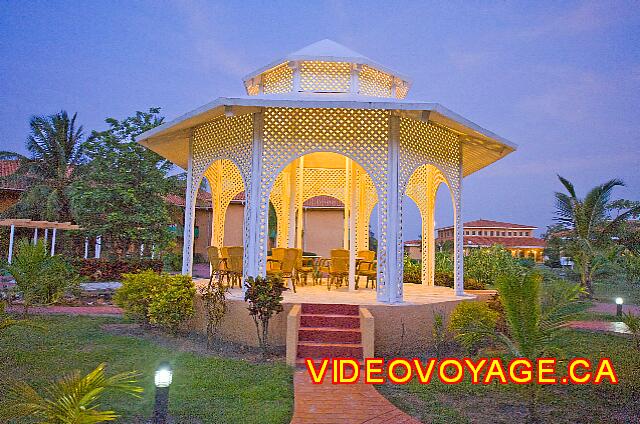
[517,238]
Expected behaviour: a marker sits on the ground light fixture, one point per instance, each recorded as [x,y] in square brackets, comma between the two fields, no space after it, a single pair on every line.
[162,380]
[619,303]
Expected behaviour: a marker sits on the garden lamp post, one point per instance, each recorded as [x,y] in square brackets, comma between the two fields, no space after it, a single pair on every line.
[619,303]
[162,380]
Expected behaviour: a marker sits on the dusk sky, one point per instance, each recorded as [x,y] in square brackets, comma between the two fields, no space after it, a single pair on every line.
[559,79]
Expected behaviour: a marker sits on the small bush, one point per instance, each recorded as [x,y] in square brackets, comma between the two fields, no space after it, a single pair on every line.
[446,279]
[443,279]
[633,323]
[214,299]
[159,299]
[113,269]
[265,300]
[173,303]
[468,322]
[40,278]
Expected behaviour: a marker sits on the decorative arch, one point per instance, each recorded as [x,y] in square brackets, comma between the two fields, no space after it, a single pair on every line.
[360,134]
[226,182]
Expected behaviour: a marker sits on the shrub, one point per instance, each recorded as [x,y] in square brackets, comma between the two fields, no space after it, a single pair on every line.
[172,261]
[446,279]
[633,323]
[40,278]
[159,299]
[113,269]
[412,272]
[471,322]
[214,299]
[265,300]
[487,265]
[173,303]
[444,262]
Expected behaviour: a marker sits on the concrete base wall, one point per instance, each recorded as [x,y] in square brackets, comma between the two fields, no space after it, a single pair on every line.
[399,329]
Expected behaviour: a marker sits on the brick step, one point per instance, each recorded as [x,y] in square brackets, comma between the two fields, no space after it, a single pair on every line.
[329,350]
[330,320]
[330,309]
[329,334]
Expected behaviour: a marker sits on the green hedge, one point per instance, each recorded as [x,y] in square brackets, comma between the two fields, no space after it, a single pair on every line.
[113,269]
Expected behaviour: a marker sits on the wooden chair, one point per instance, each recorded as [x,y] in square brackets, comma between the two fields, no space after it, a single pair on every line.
[365,265]
[338,267]
[219,267]
[304,267]
[274,262]
[235,263]
[287,268]
[369,270]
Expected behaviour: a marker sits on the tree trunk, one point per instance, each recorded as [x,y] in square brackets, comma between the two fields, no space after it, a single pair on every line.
[587,278]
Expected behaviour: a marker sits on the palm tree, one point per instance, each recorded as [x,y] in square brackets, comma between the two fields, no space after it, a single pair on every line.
[71,400]
[588,225]
[55,147]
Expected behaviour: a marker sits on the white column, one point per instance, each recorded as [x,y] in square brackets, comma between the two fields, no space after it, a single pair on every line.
[300,193]
[352,225]
[35,235]
[97,247]
[394,233]
[86,247]
[255,249]
[345,226]
[46,236]
[458,241]
[429,243]
[189,216]
[11,233]
[53,241]
[293,187]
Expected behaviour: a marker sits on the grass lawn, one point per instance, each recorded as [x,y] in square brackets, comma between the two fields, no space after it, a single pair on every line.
[466,403]
[205,389]
[606,290]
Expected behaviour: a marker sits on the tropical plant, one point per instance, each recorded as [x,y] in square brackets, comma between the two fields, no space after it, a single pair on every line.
[444,262]
[588,226]
[470,321]
[40,278]
[535,315]
[74,399]
[412,270]
[55,154]
[633,324]
[264,295]
[122,193]
[214,298]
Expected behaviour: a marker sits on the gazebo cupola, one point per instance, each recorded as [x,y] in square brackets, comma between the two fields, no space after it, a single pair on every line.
[327,67]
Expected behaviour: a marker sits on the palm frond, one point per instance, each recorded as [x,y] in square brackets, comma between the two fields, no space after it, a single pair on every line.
[569,186]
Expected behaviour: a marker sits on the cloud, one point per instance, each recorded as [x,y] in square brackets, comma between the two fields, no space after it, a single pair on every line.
[586,17]
[210,50]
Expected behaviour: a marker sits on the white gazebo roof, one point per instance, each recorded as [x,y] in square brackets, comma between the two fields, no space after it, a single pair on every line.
[326,51]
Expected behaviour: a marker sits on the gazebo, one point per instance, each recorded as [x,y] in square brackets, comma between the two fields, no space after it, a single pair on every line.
[326,120]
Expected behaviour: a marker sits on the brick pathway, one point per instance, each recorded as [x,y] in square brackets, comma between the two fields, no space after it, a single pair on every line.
[69,310]
[342,404]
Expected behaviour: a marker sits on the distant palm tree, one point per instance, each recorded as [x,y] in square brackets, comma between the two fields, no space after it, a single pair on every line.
[588,225]
[55,147]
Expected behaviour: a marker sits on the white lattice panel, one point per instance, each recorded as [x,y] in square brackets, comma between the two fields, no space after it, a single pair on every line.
[402,89]
[278,80]
[325,77]
[423,143]
[289,133]
[226,183]
[222,138]
[374,83]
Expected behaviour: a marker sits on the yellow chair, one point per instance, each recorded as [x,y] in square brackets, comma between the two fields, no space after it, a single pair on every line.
[287,267]
[304,267]
[274,262]
[365,265]
[235,263]
[219,267]
[338,267]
